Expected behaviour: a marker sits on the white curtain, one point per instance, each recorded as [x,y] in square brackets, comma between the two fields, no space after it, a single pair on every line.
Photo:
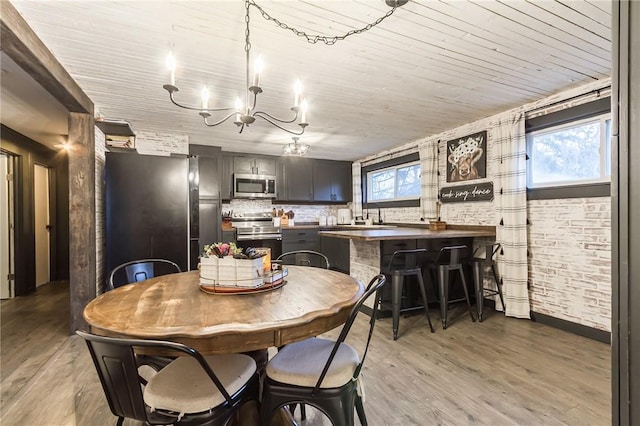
[511,214]
[429,178]
[356,173]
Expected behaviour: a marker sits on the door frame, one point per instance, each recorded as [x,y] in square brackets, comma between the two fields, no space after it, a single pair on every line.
[9,160]
[50,206]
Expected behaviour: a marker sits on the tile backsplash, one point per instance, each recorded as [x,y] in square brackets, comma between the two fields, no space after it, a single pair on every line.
[303,213]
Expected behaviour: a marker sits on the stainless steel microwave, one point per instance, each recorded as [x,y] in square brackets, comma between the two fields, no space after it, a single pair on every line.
[254,186]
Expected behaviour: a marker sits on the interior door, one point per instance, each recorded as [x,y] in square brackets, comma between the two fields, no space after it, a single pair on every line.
[6,227]
[41,209]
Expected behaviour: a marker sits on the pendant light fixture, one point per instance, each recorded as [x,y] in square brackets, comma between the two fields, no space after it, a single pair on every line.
[245,113]
[295,149]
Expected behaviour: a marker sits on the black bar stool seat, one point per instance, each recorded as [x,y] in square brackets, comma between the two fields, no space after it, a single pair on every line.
[403,263]
[449,260]
[479,266]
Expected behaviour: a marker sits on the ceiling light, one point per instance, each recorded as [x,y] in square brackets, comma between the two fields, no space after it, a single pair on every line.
[246,113]
[295,149]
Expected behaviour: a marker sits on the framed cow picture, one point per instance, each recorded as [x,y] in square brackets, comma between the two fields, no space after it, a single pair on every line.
[467,158]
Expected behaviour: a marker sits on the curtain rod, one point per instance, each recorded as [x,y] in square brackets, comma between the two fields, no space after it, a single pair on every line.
[391,154]
[606,90]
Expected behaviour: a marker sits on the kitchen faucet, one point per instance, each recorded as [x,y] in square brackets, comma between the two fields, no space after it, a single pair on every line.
[379,215]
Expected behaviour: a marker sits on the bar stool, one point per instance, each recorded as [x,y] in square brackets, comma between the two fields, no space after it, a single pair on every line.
[479,266]
[403,263]
[447,260]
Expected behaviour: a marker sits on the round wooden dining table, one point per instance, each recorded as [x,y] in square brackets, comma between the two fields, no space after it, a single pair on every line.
[172,307]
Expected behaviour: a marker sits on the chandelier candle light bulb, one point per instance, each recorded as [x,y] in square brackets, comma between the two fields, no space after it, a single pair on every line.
[205,98]
[258,68]
[171,66]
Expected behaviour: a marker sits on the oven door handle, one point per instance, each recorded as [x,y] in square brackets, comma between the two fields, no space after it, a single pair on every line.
[259,237]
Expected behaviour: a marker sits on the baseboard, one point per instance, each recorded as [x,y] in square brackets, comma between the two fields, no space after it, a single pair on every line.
[381,313]
[572,327]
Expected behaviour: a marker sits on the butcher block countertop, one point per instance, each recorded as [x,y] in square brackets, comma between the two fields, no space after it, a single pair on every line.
[412,233]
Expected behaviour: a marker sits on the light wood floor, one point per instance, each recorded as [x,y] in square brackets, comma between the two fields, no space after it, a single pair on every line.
[499,372]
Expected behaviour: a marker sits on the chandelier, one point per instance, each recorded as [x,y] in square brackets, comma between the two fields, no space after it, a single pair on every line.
[246,113]
[295,149]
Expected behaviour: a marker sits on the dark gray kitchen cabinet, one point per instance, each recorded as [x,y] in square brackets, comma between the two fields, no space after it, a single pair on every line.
[337,251]
[226,188]
[209,172]
[254,165]
[297,182]
[332,181]
[300,239]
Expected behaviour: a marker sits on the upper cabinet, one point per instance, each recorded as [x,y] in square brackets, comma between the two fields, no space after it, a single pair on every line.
[226,190]
[209,177]
[332,181]
[298,179]
[254,165]
[297,182]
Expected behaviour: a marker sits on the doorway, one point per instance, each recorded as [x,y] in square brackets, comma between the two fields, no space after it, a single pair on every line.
[7,247]
[41,223]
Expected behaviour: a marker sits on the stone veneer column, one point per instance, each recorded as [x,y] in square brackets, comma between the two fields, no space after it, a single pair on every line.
[365,262]
[82,219]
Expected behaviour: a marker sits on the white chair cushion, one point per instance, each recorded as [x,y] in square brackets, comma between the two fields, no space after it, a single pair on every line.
[184,387]
[302,362]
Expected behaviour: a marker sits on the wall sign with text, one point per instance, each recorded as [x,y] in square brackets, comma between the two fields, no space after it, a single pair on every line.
[462,193]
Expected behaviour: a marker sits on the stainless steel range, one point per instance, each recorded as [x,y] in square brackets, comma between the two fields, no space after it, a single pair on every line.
[256,230]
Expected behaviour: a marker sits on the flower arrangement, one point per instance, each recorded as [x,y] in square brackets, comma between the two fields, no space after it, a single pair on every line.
[225,264]
[224,249]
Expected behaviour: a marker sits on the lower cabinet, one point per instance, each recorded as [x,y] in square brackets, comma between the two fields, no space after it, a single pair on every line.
[411,297]
[300,239]
[337,251]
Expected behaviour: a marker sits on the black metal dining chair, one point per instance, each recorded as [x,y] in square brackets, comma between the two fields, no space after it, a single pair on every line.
[140,270]
[304,258]
[320,372]
[191,390]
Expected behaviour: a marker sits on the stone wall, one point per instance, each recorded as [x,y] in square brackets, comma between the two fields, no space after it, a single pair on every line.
[100,211]
[570,259]
[365,261]
[303,213]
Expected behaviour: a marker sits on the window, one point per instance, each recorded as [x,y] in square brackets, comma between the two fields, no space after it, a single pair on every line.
[570,154]
[401,182]
[392,183]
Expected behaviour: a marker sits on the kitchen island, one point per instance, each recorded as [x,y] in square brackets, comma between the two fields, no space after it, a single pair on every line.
[400,233]
[371,249]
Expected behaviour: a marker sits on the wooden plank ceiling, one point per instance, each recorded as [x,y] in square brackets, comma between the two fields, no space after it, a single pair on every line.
[431,66]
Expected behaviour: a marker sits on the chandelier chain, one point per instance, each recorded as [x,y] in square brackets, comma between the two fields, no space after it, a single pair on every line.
[247,45]
[315,38]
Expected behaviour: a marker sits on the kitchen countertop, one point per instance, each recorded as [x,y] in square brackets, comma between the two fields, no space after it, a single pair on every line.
[336,227]
[410,233]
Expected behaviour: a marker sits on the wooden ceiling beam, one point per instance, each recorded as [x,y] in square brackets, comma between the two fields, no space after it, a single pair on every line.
[22,44]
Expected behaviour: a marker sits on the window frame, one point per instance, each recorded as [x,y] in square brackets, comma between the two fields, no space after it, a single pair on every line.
[395,163]
[566,118]
[602,120]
